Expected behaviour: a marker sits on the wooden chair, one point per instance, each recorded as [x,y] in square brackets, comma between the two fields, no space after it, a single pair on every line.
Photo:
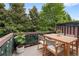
[73,46]
[40,41]
[55,47]
[42,44]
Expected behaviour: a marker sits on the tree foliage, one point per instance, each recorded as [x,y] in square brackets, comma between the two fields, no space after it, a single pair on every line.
[34,18]
[15,19]
[2,12]
[52,14]
[18,16]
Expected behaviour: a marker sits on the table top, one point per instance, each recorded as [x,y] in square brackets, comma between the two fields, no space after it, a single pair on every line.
[61,38]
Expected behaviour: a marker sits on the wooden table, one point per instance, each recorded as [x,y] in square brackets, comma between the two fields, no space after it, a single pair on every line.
[64,39]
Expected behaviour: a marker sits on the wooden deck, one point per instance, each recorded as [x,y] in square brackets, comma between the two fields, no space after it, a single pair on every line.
[31,51]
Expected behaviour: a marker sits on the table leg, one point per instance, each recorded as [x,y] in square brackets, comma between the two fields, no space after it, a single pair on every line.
[76,47]
[67,49]
[44,47]
[44,50]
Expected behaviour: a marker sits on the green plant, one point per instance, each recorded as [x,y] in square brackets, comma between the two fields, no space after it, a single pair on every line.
[2,32]
[20,39]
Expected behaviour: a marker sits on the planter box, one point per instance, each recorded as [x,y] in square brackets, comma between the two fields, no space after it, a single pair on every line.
[20,50]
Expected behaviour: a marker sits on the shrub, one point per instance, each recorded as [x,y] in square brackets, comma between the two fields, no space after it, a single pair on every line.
[2,32]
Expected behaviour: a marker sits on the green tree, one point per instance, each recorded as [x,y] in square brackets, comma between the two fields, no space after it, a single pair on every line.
[54,13]
[2,12]
[34,17]
[18,15]
[2,19]
[15,19]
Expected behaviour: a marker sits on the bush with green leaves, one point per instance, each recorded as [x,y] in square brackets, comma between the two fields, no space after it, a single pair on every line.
[2,32]
[20,39]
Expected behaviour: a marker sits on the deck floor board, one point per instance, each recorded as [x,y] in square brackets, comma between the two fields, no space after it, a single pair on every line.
[31,51]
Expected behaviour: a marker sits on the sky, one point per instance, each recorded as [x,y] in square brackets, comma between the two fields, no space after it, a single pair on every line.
[71,8]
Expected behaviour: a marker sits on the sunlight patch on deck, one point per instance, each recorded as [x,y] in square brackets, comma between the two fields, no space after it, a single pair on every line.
[30,51]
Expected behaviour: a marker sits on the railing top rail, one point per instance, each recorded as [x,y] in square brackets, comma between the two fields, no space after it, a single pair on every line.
[28,33]
[5,38]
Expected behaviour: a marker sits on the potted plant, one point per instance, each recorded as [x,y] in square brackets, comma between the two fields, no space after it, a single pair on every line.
[20,40]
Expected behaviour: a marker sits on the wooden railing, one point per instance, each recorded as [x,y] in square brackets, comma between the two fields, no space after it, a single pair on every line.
[6,45]
[32,37]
